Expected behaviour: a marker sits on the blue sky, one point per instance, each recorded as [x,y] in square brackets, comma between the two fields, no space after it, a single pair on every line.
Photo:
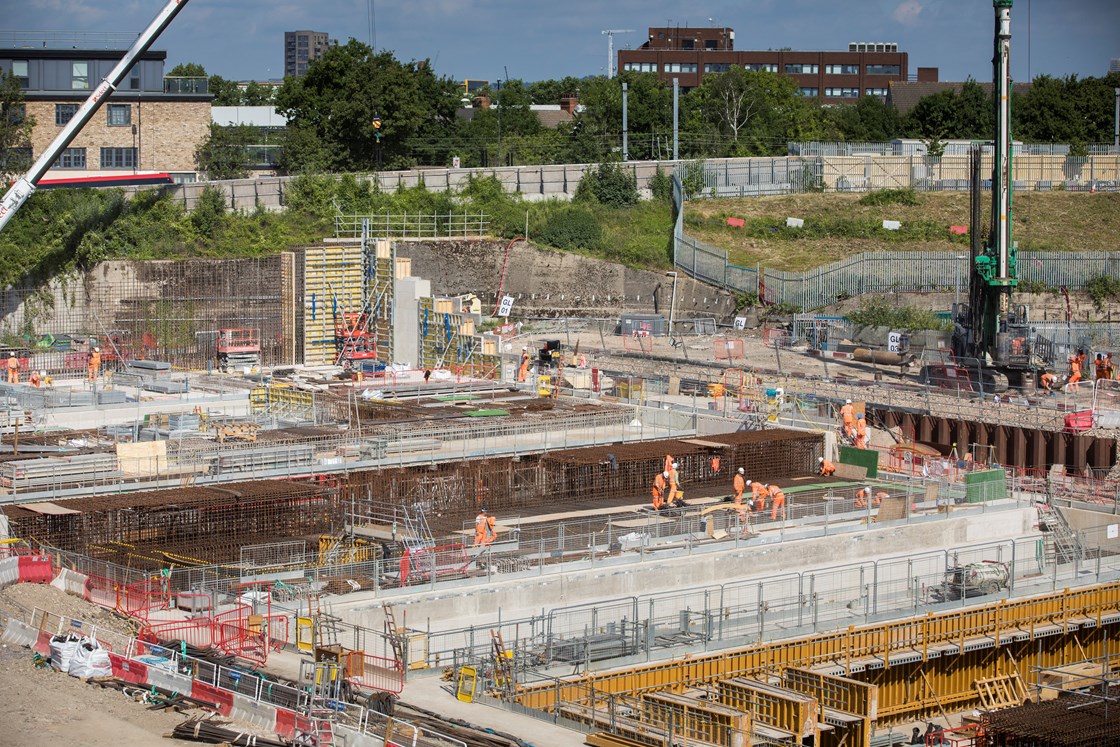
[537,39]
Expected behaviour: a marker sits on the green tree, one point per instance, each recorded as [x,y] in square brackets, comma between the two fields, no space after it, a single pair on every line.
[608,184]
[225,92]
[257,94]
[15,129]
[871,119]
[224,154]
[552,91]
[650,113]
[336,100]
[188,70]
[758,111]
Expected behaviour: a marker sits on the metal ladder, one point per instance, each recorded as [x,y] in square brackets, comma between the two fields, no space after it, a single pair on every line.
[393,633]
[503,667]
[1062,545]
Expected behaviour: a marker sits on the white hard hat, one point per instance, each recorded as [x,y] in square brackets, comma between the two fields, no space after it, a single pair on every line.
[820,460]
[674,465]
[847,402]
[741,472]
[665,473]
[97,350]
[765,484]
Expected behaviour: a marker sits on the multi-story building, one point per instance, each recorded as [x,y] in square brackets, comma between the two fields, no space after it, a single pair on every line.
[866,69]
[301,47]
[151,123]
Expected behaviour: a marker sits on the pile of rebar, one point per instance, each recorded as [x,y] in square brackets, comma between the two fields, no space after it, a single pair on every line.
[1072,720]
[211,732]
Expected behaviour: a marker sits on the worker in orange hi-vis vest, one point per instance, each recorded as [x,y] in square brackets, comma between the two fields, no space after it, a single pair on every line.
[484,532]
[94,364]
[879,496]
[660,482]
[863,495]
[34,380]
[523,369]
[826,468]
[847,417]
[13,369]
[777,503]
[861,432]
[668,462]
[739,484]
[1047,382]
[758,495]
[676,495]
[1074,373]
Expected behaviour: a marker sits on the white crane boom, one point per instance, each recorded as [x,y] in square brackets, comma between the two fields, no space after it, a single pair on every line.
[610,47]
[25,186]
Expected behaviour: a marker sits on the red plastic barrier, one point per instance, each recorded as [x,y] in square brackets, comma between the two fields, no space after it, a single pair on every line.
[128,670]
[43,644]
[35,569]
[198,633]
[288,723]
[222,700]
[139,600]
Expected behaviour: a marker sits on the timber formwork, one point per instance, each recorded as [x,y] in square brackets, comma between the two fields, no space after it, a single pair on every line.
[890,673]
[573,479]
[448,340]
[333,284]
[184,525]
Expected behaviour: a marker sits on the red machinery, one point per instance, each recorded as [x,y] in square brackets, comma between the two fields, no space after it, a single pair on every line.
[239,348]
[352,340]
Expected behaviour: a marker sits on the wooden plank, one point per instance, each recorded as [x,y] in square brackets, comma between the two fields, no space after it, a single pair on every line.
[851,472]
[705,444]
[892,508]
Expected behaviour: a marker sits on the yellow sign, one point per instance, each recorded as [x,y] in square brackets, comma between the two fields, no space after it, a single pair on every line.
[468,681]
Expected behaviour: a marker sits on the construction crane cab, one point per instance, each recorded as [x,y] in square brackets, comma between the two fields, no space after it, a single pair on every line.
[238,347]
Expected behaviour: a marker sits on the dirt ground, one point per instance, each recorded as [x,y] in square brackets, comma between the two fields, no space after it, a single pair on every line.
[45,708]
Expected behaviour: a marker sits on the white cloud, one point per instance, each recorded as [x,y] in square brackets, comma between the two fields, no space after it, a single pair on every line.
[907,12]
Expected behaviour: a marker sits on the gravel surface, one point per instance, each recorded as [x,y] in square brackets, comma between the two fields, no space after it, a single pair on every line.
[19,600]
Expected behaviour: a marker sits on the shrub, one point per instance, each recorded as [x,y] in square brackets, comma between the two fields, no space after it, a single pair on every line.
[210,212]
[879,311]
[571,228]
[661,185]
[890,197]
[609,184]
[693,179]
[1103,289]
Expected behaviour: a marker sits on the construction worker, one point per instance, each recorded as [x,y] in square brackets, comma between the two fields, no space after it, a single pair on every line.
[758,495]
[34,380]
[1047,382]
[523,369]
[660,482]
[863,495]
[861,432]
[847,416]
[94,364]
[739,484]
[879,496]
[484,531]
[47,380]
[1108,369]
[827,468]
[676,495]
[13,369]
[777,502]
[1098,364]
[1074,374]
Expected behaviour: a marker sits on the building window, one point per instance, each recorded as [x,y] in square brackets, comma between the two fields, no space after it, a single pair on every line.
[680,67]
[15,159]
[118,158]
[842,93]
[72,158]
[841,69]
[641,67]
[19,70]
[688,44]
[79,75]
[883,69]
[711,44]
[762,67]
[799,68]
[63,113]
[134,78]
[808,92]
[119,115]
[876,92]
[15,114]
[716,67]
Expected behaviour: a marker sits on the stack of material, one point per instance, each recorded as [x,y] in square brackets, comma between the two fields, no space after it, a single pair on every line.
[216,732]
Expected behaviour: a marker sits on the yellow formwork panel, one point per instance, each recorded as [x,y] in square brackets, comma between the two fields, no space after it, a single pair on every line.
[918,666]
[333,284]
[773,706]
[694,720]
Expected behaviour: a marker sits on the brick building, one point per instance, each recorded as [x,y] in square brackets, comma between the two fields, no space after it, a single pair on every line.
[866,69]
[150,123]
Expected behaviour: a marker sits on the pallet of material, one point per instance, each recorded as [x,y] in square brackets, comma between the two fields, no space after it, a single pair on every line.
[51,472]
[258,457]
[412,444]
[166,387]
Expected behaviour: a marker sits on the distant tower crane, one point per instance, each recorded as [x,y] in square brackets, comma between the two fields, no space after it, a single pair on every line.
[610,47]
